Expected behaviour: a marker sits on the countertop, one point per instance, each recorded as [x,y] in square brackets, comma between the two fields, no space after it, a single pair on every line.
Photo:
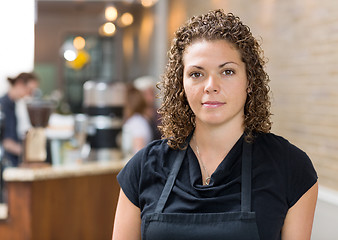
[53,172]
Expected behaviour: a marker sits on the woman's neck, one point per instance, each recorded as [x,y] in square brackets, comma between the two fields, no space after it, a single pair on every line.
[214,143]
[209,136]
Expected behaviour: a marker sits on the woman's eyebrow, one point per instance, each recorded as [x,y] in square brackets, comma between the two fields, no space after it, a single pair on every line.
[220,66]
[198,67]
[223,64]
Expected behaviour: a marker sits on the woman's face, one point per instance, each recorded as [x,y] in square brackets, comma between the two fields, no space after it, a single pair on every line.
[215,82]
[26,89]
[32,86]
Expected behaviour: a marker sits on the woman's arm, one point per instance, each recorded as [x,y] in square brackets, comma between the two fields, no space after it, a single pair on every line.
[299,219]
[127,223]
[12,146]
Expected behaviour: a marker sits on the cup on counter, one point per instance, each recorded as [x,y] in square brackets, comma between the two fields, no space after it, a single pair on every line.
[59,131]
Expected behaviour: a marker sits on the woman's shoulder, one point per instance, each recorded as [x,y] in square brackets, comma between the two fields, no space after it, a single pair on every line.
[143,167]
[281,151]
[271,138]
[273,142]
[154,153]
[156,148]
[289,161]
[4,99]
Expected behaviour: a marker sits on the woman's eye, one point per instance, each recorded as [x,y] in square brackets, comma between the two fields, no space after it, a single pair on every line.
[228,72]
[195,74]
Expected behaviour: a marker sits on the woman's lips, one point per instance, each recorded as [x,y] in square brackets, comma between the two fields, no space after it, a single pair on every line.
[212,104]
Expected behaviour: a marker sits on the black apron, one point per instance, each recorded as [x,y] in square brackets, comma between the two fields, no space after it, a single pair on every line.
[197,226]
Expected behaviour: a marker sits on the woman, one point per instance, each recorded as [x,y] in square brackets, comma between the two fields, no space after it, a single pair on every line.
[136,131]
[146,85]
[219,173]
[21,86]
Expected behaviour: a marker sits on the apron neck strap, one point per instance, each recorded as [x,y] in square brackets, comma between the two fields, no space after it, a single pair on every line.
[170,182]
[246,177]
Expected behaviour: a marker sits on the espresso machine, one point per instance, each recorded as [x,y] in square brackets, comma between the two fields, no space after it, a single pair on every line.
[35,141]
[104,104]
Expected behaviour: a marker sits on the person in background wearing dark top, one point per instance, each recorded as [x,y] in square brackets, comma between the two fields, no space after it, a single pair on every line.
[219,173]
[21,86]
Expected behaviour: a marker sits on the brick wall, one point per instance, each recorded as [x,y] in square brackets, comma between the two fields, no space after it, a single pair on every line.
[304,73]
[300,39]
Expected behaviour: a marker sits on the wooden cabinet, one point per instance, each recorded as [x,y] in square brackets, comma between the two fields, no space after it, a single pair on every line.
[71,204]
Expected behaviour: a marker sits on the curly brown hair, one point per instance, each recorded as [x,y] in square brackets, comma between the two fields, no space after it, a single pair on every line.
[178,120]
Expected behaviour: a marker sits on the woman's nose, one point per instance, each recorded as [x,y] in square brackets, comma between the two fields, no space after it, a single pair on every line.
[212,85]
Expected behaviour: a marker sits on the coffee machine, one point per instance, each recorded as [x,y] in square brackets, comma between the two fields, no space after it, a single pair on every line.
[104,104]
[35,141]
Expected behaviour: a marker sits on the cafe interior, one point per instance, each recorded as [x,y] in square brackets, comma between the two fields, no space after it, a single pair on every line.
[84,52]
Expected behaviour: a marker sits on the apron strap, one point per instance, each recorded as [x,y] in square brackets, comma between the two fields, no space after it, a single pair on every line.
[170,182]
[246,177]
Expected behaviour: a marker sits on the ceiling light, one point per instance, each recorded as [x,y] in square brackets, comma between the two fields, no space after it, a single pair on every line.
[107,29]
[70,55]
[148,3]
[126,19]
[110,13]
[79,42]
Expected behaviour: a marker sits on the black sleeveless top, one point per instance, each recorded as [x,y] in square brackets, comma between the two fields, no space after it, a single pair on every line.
[281,174]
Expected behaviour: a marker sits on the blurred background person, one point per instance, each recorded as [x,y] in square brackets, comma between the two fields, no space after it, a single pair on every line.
[136,131]
[21,86]
[147,85]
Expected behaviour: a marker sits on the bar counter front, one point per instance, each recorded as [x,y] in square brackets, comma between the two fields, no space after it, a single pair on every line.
[64,202]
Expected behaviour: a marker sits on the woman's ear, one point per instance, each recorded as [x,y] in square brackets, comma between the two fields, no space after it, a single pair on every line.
[248,86]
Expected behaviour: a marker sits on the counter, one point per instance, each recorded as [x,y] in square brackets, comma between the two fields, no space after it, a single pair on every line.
[63,202]
[54,172]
